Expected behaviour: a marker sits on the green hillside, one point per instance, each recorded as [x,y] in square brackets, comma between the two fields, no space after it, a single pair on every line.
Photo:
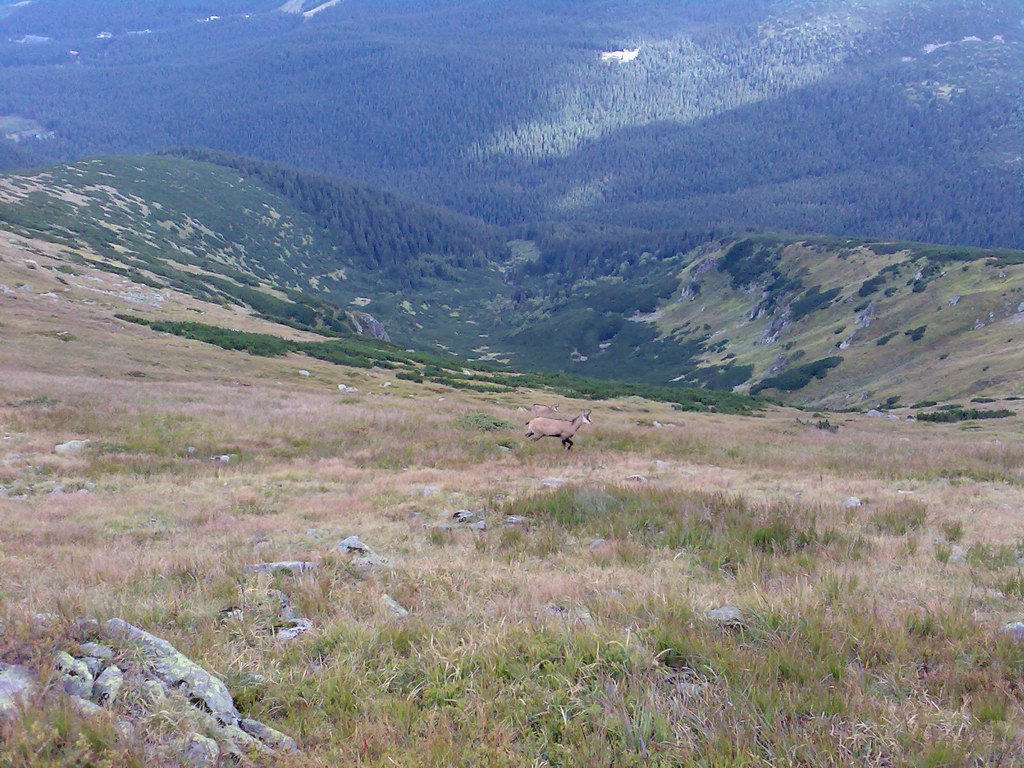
[846,323]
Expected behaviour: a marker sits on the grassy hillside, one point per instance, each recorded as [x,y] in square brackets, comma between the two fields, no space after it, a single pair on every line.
[841,322]
[849,323]
[578,625]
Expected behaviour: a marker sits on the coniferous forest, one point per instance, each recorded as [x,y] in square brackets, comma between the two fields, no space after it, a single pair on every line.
[880,119]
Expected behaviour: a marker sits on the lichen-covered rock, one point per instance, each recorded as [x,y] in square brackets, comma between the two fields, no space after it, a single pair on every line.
[108,685]
[95,665]
[242,743]
[269,736]
[176,669]
[97,650]
[16,682]
[201,751]
[76,679]
[71,447]
[394,606]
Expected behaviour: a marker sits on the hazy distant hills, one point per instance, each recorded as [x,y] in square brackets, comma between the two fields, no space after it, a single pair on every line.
[880,118]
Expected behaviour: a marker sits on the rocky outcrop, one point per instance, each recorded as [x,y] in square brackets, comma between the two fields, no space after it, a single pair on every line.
[367,325]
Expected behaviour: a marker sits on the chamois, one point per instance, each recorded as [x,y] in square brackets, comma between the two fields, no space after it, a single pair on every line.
[542,426]
[543,410]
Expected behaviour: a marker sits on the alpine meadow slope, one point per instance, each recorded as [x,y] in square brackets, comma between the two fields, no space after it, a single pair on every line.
[841,322]
[390,573]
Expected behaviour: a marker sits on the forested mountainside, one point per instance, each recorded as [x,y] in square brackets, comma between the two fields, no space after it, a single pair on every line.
[825,320]
[878,118]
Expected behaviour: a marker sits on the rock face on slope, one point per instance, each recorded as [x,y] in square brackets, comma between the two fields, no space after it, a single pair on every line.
[367,325]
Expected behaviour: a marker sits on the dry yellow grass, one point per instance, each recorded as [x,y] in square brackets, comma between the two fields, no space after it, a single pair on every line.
[866,644]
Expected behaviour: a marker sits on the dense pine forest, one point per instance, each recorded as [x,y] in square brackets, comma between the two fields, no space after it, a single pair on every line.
[876,119]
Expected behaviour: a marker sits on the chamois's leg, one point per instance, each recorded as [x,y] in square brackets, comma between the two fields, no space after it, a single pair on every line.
[537,437]
[567,442]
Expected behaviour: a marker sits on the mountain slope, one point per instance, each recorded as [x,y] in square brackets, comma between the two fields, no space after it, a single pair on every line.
[844,322]
[881,118]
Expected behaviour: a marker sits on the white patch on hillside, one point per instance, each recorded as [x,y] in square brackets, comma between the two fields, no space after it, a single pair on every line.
[296,7]
[933,47]
[618,56]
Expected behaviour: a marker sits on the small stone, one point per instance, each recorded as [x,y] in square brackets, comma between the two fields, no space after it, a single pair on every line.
[637,479]
[370,561]
[344,388]
[852,502]
[95,665]
[394,606]
[597,543]
[466,516]
[875,414]
[201,751]
[1015,630]
[98,650]
[296,627]
[958,555]
[108,685]
[71,447]
[84,706]
[727,615]
[553,482]
[304,373]
[285,566]
[351,544]
[661,464]
[516,520]
[430,490]
[269,736]
[479,525]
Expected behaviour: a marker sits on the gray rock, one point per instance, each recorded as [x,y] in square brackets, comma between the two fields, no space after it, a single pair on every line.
[269,736]
[76,679]
[958,555]
[553,482]
[430,490]
[304,373]
[293,566]
[597,543]
[201,751]
[95,665]
[875,414]
[394,606]
[176,669]
[851,502]
[727,615]
[516,520]
[570,616]
[370,561]
[108,685]
[366,324]
[16,683]
[296,627]
[243,744]
[1015,630]
[71,447]
[352,544]
[466,515]
[98,650]
[637,479]
[479,525]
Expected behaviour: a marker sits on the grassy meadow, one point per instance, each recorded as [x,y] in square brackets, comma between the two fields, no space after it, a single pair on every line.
[580,634]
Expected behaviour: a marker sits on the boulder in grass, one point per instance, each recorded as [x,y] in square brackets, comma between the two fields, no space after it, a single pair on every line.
[727,616]
[177,670]
[16,683]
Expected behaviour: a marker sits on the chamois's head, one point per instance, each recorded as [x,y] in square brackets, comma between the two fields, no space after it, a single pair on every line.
[585,415]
